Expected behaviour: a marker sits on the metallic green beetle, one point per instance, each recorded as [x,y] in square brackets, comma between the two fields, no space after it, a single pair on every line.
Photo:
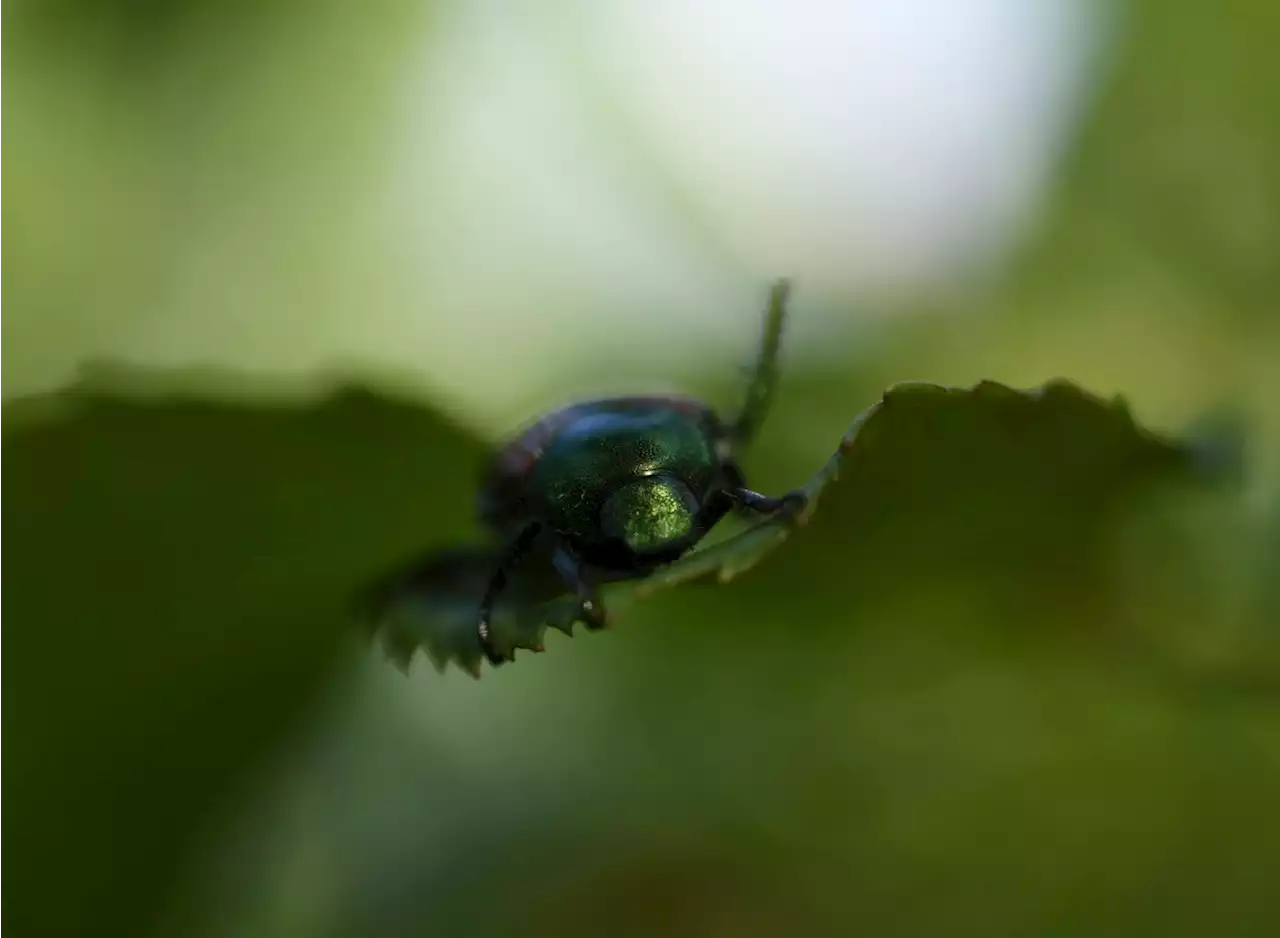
[606,497]
[616,488]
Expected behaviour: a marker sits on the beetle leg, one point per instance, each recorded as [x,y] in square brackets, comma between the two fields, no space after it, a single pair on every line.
[764,375]
[745,499]
[590,609]
[497,583]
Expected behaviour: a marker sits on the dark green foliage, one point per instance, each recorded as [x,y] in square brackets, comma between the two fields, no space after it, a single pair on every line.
[176,595]
[182,592]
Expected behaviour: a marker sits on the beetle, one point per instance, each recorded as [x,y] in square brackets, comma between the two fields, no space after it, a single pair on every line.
[615,488]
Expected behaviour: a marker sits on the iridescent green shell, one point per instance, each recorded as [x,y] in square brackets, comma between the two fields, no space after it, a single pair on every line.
[565,467]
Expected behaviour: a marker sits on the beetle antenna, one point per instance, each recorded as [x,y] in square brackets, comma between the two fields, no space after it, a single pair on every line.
[764,374]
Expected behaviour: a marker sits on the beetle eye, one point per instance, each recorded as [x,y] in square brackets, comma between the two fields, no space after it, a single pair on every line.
[650,514]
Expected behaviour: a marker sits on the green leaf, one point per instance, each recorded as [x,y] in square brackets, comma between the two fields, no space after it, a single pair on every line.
[178,596]
[1080,444]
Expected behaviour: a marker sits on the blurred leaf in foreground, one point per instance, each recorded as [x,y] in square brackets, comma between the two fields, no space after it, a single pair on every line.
[974,679]
[177,588]
[180,589]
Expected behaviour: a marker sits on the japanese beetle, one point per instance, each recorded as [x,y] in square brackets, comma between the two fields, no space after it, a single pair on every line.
[614,489]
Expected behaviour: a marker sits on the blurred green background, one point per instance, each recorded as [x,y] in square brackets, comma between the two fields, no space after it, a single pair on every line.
[279,272]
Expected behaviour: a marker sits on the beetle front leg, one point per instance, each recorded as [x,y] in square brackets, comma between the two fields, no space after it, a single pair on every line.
[590,609]
[744,499]
[497,583]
